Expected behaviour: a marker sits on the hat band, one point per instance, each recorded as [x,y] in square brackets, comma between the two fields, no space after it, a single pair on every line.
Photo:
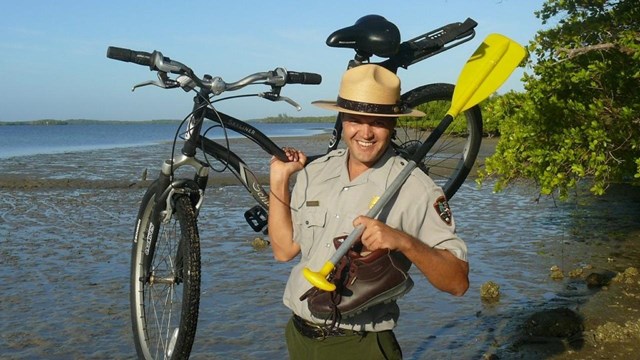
[369,108]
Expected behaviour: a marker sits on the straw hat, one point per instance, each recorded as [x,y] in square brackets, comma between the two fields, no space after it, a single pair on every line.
[369,90]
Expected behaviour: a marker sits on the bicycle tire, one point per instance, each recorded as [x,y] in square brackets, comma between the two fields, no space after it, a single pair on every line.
[165,279]
[451,159]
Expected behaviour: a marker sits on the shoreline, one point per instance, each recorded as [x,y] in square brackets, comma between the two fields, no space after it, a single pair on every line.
[312,144]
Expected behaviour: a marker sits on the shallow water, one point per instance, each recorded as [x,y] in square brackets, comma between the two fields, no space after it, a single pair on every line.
[64,265]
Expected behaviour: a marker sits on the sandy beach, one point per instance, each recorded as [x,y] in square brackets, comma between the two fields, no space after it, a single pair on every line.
[66,222]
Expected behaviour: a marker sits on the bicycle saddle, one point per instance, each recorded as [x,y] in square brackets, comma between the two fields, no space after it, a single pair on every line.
[370,35]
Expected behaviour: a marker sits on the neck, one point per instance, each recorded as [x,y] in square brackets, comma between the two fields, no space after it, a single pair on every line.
[355,169]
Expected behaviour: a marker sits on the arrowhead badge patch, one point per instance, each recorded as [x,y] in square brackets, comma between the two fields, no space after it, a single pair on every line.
[442,209]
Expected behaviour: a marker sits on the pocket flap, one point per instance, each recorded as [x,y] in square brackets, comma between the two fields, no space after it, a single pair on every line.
[315,217]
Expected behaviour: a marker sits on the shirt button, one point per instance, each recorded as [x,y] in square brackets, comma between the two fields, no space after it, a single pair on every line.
[306,222]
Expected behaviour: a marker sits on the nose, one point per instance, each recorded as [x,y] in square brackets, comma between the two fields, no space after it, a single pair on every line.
[366,131]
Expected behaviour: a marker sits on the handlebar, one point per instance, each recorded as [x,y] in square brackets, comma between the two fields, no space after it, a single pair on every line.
[157,62]
[126,55]
[306,78]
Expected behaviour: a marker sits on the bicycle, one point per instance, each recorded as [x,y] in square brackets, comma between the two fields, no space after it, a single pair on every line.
[165,261]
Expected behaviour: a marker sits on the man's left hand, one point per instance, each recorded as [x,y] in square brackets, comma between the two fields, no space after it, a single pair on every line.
[378,235]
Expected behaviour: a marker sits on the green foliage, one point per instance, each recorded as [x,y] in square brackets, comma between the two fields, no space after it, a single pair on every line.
[435,111]
[579,120]
[499,107]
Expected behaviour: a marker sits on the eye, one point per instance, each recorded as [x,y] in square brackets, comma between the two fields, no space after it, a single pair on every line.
[349,119]
[380,123]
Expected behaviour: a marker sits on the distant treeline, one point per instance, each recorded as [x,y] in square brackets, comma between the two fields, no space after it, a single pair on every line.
[86,122]
[282,118]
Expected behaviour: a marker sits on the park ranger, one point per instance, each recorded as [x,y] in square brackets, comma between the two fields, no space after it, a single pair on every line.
[328,199]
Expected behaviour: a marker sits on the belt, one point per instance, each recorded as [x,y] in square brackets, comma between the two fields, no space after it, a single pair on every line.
[321,332]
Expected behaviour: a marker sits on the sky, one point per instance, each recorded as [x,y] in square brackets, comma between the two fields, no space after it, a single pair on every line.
[53,62]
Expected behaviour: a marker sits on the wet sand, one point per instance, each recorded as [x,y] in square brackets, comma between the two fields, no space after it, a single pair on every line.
[66,227]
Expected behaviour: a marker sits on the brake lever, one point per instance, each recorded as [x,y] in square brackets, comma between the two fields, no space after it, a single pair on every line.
[165,82]
[277,97]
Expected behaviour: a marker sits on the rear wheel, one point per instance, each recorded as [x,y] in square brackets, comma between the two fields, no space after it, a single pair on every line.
[165,279]
[450,160]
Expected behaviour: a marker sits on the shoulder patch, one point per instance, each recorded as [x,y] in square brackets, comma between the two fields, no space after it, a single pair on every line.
[442,209]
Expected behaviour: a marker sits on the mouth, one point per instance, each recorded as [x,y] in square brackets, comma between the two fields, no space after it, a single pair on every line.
[364,144]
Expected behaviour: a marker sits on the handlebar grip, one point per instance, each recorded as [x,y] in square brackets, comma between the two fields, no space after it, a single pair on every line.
[126,55]
[294,77]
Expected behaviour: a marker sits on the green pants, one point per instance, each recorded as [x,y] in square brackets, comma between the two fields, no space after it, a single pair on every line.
[373,345]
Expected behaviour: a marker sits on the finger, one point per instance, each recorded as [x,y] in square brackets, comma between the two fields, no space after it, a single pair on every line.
[292,155]
[303,157]
[362,220]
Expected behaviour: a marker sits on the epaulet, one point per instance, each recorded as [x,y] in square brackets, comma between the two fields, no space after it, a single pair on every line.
[326,157]
[425,179]
[416,173]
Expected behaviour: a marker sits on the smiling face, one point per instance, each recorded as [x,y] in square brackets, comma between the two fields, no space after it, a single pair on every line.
[367,138]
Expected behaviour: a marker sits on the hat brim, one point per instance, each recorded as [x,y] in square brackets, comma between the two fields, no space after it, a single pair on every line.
[332,105]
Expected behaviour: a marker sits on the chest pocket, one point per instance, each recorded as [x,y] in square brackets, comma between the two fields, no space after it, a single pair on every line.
[311,224]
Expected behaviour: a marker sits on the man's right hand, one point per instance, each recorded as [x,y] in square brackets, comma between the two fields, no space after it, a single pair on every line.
[280,224]
[281,171]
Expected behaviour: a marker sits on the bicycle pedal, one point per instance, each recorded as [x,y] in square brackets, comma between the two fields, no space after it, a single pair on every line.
[256,217]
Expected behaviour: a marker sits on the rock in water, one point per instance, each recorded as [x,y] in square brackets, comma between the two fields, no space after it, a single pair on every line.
[490,292]
[560,323]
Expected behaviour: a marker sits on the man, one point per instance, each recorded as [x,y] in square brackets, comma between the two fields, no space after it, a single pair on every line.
[328,199]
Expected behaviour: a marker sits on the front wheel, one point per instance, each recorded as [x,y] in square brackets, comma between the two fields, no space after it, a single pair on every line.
[165,278]
[451,158]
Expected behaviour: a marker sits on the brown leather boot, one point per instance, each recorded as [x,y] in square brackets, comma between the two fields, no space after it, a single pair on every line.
[361,282]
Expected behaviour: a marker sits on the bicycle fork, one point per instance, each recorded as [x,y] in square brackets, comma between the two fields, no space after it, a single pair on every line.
[194,188]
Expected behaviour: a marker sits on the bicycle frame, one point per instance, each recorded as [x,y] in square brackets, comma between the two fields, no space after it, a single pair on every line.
[165,262]
[410,52]
[256,216]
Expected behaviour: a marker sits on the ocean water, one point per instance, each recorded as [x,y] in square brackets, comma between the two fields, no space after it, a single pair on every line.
[21,140]
[65,260]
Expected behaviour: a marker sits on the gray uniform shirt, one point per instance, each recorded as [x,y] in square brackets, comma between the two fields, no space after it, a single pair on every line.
[324,203]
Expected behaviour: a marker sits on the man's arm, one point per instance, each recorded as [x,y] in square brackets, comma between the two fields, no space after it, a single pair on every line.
[280,225]
[443,269]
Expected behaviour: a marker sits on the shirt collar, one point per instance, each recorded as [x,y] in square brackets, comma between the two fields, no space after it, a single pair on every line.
[377,174]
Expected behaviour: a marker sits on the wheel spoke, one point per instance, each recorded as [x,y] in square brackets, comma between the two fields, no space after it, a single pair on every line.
[449,161]
[160,305]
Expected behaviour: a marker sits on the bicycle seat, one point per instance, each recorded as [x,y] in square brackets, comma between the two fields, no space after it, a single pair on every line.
[371,35]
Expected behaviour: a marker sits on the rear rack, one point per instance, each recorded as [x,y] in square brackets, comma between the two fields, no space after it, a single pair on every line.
[433,42]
